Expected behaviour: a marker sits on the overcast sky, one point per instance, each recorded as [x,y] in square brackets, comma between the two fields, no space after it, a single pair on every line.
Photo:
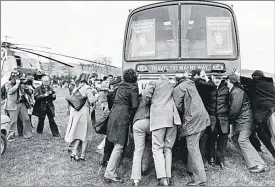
[89,29]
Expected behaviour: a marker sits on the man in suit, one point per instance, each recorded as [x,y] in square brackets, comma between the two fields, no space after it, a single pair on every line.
[163,117]
[194,119]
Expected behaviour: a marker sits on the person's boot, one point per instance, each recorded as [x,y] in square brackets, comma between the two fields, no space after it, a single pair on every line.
[212,161]
[222,165]
[136,183]
[196,183]
[170,182]
[259,168]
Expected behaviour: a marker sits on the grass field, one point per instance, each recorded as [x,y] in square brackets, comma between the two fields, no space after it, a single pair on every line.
[44,161]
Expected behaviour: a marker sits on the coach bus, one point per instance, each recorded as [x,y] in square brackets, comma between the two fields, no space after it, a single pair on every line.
[172,36]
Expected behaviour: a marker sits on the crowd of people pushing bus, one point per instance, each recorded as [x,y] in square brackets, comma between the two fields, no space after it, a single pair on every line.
[196,110]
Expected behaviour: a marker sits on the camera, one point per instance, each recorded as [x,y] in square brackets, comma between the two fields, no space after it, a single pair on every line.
[23,81]
[27,80]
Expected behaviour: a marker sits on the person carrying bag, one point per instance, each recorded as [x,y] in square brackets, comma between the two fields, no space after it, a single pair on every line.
[80,126]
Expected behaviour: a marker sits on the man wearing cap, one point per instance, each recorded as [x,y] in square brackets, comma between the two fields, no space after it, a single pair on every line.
[16,105]
[218,109]
[262,94]
[194,119]
[241,118]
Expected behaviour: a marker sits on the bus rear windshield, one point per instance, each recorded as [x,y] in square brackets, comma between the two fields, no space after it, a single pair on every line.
[204,32]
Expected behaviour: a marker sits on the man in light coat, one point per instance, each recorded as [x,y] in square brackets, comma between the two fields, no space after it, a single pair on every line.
[141,126]
[17,105]
[163,120]
[194,119]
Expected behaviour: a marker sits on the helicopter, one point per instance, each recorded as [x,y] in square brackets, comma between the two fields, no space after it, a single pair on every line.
[14,57]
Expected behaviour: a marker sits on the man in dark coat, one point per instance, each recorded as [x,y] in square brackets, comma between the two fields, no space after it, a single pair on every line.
[108,148]
[241,118]
[262,93]
[44,97]
[218,112]
[204,87]
[125,105]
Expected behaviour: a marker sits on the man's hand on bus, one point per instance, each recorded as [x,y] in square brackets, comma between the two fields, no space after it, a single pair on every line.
[236,71]
[206,78]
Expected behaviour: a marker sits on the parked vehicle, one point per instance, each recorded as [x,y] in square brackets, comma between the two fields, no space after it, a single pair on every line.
[5,129]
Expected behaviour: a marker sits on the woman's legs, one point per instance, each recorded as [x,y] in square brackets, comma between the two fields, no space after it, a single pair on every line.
[75,146]
[83,150]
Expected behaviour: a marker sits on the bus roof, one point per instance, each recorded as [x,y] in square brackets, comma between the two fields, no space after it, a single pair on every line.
[169,2]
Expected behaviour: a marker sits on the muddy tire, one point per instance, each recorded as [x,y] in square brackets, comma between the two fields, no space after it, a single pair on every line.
[3,144]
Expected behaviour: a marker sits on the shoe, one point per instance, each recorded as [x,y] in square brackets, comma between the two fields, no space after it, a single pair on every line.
[196,183]
[27,137]
[170,182]
[189,173]
[100,151]
[56,136]
[136,183]
[222,165]
[206,166]
[11,139]
[11,136]
[82,158]
[115,179]
[75,157]
[104,163]
[144,173]
[162,182]
[259,168]
[212,161]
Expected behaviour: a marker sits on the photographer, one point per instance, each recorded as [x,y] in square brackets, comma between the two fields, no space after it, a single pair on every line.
[44,97]
[17,103]
[30,99]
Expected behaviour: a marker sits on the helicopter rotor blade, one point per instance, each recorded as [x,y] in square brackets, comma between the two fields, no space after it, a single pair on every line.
[70,57]
[45,57]
[33,46]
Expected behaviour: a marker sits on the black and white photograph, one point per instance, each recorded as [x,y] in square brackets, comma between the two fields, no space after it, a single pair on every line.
[137,93]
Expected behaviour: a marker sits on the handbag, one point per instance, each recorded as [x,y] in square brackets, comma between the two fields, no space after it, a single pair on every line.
[101,126]
[76,100]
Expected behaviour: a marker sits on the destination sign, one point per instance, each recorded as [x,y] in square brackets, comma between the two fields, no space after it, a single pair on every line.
[177,68]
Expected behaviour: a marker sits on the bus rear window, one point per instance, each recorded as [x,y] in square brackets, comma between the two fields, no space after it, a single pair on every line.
[207,32]
[153,34]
